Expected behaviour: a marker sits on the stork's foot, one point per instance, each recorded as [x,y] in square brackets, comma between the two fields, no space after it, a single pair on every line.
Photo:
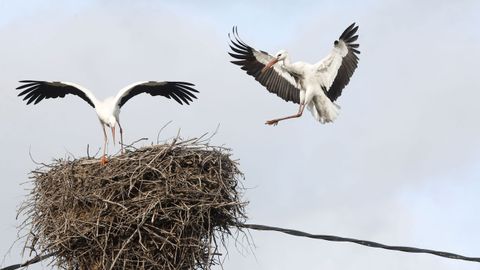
[103,160]
[271,122]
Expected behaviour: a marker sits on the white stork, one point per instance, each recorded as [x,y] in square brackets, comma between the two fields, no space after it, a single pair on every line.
[316,86]
[108,111]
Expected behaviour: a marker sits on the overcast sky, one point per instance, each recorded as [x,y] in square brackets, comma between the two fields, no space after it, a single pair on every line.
[401,164]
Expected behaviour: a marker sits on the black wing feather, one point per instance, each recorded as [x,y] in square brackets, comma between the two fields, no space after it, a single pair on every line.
[273,81]
[181,92]
[36,91]
[349,63]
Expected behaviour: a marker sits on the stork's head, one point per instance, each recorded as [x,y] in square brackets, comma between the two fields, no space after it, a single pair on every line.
[279,56]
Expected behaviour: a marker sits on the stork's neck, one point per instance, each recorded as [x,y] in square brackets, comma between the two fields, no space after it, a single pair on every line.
[286,62]
[289,67]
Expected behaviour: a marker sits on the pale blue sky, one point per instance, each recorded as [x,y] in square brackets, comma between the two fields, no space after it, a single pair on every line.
[399,166]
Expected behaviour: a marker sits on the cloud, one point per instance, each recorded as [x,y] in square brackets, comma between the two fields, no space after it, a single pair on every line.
[405,144]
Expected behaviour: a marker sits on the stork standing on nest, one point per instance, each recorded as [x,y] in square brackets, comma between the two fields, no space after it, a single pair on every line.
[316,86]
[108,111]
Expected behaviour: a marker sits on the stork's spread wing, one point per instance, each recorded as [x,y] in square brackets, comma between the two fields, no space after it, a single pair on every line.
[36,91]
[277,80]
[181,92]
[334,71]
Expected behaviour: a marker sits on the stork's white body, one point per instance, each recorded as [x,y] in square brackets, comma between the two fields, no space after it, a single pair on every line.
[311,93]
[108,110]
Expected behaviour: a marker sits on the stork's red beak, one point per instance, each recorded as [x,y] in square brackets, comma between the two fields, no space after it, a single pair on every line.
[270,64]
[113,134]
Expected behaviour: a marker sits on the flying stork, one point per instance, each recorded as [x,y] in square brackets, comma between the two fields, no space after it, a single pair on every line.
[108,111]
[316,86]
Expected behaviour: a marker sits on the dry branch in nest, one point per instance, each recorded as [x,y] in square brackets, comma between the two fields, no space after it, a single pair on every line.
[161,207]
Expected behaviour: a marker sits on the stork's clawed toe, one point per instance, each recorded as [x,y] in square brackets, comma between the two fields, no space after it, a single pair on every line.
[103,160]
[271,122]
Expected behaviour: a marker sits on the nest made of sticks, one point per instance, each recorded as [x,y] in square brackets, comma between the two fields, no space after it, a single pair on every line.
[165,206]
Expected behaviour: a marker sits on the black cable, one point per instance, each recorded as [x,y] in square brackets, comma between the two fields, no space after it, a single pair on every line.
[360,242]
[333,238]
[34,260]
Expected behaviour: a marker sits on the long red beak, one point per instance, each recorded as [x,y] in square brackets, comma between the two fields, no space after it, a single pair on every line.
[270,64]
[113,134]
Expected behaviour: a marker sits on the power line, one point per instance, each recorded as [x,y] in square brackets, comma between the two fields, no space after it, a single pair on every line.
[332,238]
[360,242]
[34,260]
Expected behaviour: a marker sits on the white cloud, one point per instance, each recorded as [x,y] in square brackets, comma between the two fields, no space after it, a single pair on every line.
[405,145]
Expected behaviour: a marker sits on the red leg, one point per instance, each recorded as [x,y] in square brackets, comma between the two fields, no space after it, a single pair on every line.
[121,138]
[104,160]
[274,122]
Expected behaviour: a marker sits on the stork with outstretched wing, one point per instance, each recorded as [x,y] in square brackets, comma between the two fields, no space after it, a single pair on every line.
[316,86]
[108,111]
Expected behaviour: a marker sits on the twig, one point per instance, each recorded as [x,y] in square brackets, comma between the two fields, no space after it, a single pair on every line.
[134,142]
[161,129]
[33,160]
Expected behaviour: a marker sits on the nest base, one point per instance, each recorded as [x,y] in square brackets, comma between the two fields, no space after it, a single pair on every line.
[160,207]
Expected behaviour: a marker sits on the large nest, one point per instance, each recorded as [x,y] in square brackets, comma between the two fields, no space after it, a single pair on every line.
[160,207]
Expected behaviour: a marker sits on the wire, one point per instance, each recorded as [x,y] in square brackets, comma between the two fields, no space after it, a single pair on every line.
[34,260]
[333,238]
[360,242]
